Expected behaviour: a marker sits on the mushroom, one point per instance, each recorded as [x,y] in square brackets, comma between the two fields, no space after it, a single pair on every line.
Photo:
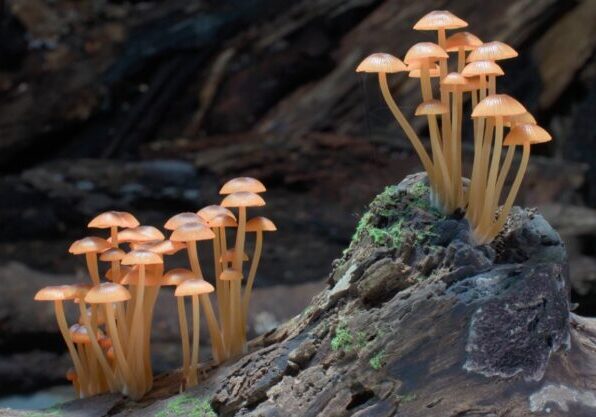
[525,134]
[112,293]
[179,219]
[59,294]
[496,107]
[441,21]
[426,53]
[175,277]
[194,288]
[113,255]
[87,342]
[234,329]
[90,247]
[136,350]
[190,233]
[209,212]
[482,137]
[381,64]
[258,225]
[113,220]
[71,376]
[461,42]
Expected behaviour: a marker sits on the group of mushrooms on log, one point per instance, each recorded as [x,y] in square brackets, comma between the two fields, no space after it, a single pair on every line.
[474,74]
[110,346]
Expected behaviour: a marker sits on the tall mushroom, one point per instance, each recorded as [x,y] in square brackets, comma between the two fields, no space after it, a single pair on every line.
[136,350]
[257,225]
[496,107]
[462,42]
[190,233]
[441,21]
[236,333]
[59,294]
[113,220]
[424,54]
[195,288]
[525,134]
[382,64]
[175,277]
[111,293]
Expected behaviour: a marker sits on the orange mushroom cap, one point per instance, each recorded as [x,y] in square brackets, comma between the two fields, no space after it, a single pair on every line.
[177,276]
[56,293]
[498,105]
[425,51]
[179,219]
[113,218]
[112,254]
[526,132]
[520,118]
[260,223]
[465,40]
[431,107]
[209,212]
[193,287]
[123,271]
[79,334]
[191,232]
[107,292]
[71,375]
[492,51]
[243,199]
[439,19]
[248,184]
[222,220]
[230,275]
[167,247]
[152,277]
[476,68]
[381,62]
[141,257]
[140,234]
[89,244]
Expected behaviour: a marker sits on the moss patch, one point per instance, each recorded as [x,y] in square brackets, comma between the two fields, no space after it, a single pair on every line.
[186,405]
[396,215]
[346,341]
[377,361]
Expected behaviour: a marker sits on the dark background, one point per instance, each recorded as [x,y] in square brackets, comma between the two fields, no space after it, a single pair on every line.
[150,106]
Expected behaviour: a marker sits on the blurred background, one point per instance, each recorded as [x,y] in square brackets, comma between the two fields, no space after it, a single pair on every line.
[149,106]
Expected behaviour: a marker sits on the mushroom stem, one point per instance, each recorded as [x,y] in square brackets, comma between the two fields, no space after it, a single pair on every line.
[218,268]
[225,288]
[445,119]
[92,267]
[484,166]
[98,352]
[476,161]
[435,138]
[503,175]
[119,352]
[461,58]
[184,336]
[134,354]
[122,325]
[193,380]
[512,194]
[235,285]
[407,128]
[212,326]
[486,218]
[114,236]
[256,257]
[79,369]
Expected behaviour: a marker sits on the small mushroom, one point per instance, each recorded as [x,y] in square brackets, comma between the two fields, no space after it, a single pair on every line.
[234,330]
[59,294]
[194,288]
[462,42]
[113,220]
[190,233]
[175,277]
[90,247]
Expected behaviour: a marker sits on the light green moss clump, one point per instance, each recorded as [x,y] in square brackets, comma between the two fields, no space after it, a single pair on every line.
[55,411]
[345,341]
[377,361]
[186,405]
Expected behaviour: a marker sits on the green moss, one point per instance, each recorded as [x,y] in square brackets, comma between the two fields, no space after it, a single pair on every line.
[55,411]
[346,341]
[407,398]
[377,361]
[186,405]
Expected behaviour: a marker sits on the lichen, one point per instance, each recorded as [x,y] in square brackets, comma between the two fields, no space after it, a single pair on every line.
[345,340]
[188,406]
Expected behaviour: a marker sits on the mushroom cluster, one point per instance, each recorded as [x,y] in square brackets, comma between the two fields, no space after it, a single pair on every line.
[110,345]
[471,76]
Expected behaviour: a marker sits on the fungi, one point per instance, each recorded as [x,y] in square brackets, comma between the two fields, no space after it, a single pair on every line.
[195,288]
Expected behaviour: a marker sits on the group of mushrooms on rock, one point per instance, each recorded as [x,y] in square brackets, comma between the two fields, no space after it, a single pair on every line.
[110,346]
[473,74]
